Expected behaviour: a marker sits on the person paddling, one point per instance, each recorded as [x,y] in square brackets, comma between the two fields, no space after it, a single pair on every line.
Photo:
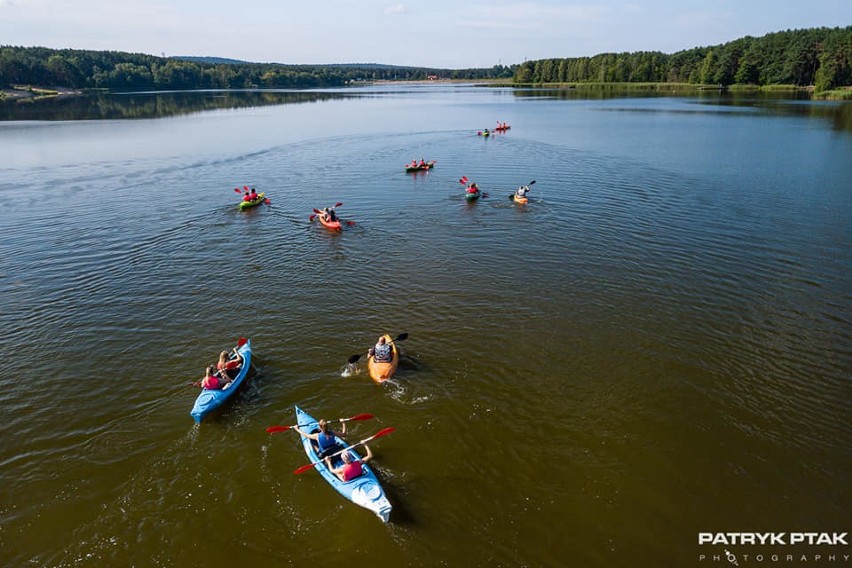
[381,352]
[472,188]
[522,191]
[225,364]
[351,467]
[211,381]
[328,214]
[325,438]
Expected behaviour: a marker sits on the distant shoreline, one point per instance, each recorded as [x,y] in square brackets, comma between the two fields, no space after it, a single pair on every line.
[29,93]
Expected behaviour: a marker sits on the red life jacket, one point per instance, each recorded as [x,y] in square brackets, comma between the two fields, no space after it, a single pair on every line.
[211,383]
[352,470]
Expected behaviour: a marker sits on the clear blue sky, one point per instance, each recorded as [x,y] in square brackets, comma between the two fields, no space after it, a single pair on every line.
[434,33]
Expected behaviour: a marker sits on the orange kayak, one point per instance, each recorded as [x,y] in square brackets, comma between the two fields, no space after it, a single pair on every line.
[380,372]
[521,200]
[333,225]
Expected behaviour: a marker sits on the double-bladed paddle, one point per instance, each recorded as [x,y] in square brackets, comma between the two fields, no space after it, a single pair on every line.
[276,429]
[378,434]
[400,337]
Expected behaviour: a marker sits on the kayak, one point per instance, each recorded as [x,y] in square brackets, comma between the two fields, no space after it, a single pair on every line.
[521,200]
[418,168]
[472,196]
[364,490]
[333,225]
[379,371]
[248,204]
[502,128]
[209,400]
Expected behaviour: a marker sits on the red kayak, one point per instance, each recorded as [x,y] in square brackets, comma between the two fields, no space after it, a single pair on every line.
[333,225]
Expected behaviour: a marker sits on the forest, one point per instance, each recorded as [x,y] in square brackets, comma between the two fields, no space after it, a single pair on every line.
[80,69]
[818,57]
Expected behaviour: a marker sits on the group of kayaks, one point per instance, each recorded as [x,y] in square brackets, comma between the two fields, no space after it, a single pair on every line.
[501,127]
[365,489]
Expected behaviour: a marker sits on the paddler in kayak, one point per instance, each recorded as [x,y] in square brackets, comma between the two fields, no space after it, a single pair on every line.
[247,195]
[227,366]
[381,352]
[351,467]
[325,438]
[328,214]
[211,381]
[253,195]
[522,191]
[472,188]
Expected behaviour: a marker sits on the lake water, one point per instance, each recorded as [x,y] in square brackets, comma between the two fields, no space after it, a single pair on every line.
[657,345]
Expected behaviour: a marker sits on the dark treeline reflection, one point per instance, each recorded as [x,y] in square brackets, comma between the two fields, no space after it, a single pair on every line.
[781,102]
[149,105]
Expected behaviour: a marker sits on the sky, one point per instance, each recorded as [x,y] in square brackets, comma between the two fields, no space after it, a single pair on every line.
[448,34]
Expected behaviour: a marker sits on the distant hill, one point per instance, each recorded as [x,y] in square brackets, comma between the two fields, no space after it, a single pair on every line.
[210,60]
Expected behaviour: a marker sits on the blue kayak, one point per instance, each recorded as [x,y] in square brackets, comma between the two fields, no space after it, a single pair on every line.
[364,490]
[210,400]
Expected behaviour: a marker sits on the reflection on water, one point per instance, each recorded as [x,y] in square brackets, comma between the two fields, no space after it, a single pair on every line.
[790,103]
[172,103]
[151,105]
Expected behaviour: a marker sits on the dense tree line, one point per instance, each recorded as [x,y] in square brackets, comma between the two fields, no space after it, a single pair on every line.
[82,69]
[821,57]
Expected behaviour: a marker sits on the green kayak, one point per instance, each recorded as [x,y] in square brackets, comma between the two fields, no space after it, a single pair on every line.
[254,203]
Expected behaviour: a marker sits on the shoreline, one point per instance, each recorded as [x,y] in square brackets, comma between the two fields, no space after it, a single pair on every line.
[32,93]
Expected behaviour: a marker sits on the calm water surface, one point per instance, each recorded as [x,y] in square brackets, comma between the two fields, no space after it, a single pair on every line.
[657,345]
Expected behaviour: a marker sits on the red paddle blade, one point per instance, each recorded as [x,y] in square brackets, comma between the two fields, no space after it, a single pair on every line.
[305,468]
[350,223]
[380,433]
[242,341]
[364,416]
[237,189]
[245,187]
[276,429]
[338,204]
[312,217]
[267,201]
[317,211]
